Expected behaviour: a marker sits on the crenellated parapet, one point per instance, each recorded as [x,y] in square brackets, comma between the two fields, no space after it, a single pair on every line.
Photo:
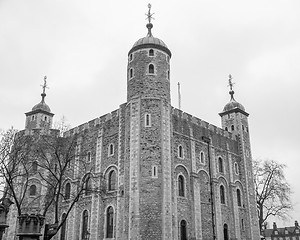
[192,120]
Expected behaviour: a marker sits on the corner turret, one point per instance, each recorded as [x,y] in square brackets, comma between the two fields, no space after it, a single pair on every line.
[40,117]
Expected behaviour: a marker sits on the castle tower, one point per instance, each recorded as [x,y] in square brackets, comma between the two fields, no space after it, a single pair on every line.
[149,145]
[40,117]
[235,120]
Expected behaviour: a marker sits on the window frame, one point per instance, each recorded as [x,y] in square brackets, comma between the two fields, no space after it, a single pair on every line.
[85,225]
[222,194]
[183,230]
[180,153]
[67,191]
[32,190]
[131,73]
[150,70]
[63,230]
[151,52]
[181,185]
[236,168]
[112,185]
[239,197]
[89,156]
[148,122]
[154,171]
[109,231]
[202,157]
[221,165]
[111,149]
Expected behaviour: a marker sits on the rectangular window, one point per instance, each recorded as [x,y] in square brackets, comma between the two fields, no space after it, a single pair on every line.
[89,156]
[147,120]
[154,172]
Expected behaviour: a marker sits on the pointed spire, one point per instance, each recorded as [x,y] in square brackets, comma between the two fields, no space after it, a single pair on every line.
[44,86]
[231,92]
[149,24]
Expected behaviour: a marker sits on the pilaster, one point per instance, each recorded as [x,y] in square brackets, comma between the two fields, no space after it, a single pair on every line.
[134,214]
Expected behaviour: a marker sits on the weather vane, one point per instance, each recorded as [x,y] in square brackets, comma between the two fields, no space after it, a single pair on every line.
[230,82]
[149,14]
[44,86]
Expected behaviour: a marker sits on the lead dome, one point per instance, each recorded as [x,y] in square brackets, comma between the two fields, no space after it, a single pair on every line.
[150,41]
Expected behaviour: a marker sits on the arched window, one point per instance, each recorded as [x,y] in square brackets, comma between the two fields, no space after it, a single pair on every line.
[87,185]
[32,190]
[34,166]
[181,186]
[180,151]
[222,194]
[63,227]
[148,120]
[110,222]
[220,165]
[131,73]
[183,231]
[232,127]
[112,180]
[151,52]
[168,59]
[151,69]
[225,231]
[85,224]
[238,196]
[111,149]
[243,225]
[236,168]
[130,57]
[226,129]
[202,158]
[67,191]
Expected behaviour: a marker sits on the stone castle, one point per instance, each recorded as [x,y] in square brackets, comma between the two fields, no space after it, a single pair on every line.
[170,175]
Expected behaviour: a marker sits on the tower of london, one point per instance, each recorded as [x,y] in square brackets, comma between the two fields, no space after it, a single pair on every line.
[165,174]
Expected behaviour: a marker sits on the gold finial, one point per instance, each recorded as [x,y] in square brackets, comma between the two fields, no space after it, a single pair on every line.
[149,14]
[44,86]
[231,92]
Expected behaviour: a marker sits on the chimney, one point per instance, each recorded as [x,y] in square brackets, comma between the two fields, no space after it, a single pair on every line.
[274,225]
[296,224]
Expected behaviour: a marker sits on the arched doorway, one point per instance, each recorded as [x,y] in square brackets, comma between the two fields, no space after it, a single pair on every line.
[225,230]
[183,232]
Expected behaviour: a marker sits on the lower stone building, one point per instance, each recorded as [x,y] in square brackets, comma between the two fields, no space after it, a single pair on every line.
[165,174]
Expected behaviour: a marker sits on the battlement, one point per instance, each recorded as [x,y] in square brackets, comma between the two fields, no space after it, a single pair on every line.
[199,122]
[50,132]
[93,123]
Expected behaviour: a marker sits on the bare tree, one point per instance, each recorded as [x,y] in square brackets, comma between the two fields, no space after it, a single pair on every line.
[68,177]
[14,168]
[273,193]
[54,166]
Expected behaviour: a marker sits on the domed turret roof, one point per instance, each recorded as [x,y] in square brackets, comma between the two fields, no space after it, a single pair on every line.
[233,104]
[41,106]
[149,40]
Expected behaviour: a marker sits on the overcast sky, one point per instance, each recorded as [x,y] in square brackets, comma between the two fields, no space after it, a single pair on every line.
[82,47]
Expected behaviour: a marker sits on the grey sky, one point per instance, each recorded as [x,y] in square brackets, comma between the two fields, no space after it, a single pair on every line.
[82,47]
